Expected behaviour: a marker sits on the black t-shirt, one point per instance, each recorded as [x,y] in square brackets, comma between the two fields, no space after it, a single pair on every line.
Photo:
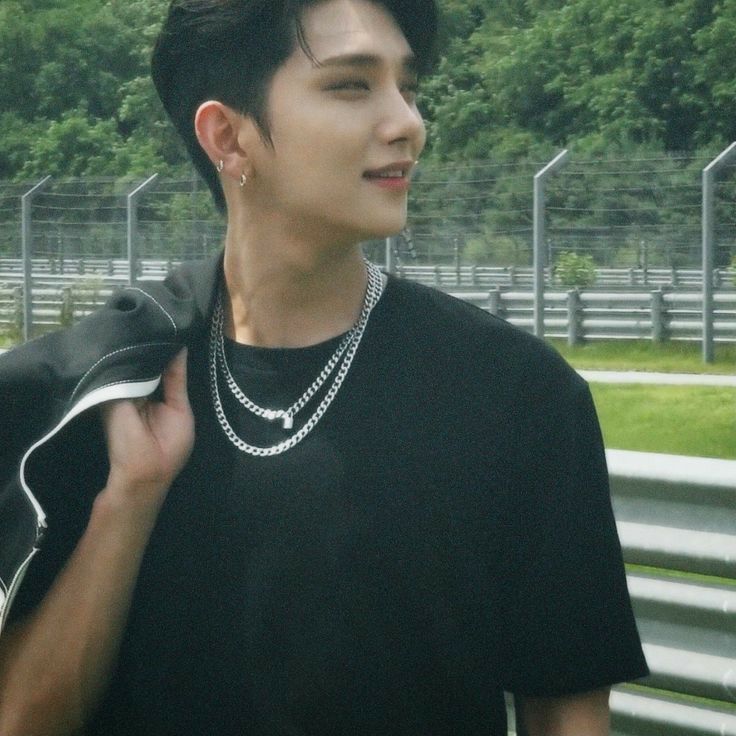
[443,534]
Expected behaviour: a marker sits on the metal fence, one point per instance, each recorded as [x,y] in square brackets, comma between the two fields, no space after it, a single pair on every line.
[676,518]
[644,214]
[661,305]
[638,213]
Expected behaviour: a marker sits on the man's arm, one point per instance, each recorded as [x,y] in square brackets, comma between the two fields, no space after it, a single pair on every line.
[55,664]
[583,714]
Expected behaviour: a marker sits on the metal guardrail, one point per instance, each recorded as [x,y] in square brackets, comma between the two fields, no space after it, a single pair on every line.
[446,277]
[593,315]
[577,316]
[677,522]
[486,277]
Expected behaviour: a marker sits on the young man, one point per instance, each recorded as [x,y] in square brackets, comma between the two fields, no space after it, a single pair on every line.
[358,506]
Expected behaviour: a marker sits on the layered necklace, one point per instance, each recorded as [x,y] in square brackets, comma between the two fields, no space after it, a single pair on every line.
[336,367]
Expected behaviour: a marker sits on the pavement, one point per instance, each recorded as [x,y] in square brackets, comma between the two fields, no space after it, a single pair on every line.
[660,379]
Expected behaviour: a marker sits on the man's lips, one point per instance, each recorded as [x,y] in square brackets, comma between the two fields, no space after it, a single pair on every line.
[395,170]
[393,176]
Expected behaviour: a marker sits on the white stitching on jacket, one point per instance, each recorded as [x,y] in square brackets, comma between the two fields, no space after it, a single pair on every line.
[109,355]
[155,301]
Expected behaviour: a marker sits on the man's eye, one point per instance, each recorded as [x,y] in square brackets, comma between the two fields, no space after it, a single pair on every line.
[350,85]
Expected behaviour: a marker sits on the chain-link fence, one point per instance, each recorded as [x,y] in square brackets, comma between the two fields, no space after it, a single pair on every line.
[643,213]
[622,213]
[88,219]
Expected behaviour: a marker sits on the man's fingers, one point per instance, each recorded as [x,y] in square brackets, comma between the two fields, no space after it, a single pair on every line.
[175,382]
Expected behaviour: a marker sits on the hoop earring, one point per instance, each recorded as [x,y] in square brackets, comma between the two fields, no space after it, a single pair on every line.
[220,166]
[243,180]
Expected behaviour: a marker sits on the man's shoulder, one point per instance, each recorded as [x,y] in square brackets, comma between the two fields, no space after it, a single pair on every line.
[473,336]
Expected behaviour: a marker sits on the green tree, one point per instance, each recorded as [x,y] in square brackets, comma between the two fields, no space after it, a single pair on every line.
[80,69]
[658,72]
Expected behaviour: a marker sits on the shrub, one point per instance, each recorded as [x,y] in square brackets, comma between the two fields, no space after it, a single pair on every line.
[574,270]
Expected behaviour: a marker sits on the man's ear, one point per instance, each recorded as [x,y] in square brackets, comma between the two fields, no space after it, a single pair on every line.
[220,132]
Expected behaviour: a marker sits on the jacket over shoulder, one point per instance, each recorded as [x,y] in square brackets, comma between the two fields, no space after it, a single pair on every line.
[119,352]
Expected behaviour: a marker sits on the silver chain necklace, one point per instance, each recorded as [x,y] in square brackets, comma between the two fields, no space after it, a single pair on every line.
[342,357]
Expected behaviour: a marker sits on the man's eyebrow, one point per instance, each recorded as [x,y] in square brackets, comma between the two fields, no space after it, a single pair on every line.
[409,62]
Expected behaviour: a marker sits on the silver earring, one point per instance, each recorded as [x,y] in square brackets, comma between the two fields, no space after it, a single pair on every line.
[243,179]
[220,166]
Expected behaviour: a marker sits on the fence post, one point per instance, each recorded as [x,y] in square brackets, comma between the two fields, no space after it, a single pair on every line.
[133,199]
[658,316]
[574,328]
[644,261]
[389,257]
[540,180]
[674,279]
[437,276]
[708,217]
[66,313]
[18,308]
[456,256]
[27,246]
[494,301]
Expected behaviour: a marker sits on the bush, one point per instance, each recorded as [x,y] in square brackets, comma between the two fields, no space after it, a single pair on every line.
[574,270]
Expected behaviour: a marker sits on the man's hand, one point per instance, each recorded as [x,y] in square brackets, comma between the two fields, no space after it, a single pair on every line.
[583,714]
[55,664]
[149,441]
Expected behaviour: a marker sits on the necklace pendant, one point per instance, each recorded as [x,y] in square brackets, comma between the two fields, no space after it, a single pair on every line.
[288,421]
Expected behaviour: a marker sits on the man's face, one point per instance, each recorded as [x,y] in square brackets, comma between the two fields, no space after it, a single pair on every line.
[346,131]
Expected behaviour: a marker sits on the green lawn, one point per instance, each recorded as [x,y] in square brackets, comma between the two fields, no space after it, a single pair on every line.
[644,355]
[679,420]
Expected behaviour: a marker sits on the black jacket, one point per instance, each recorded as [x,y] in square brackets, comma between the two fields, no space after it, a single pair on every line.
[118,352]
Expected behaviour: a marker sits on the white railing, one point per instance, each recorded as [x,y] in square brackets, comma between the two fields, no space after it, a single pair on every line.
[446,277]
[486,277]
[593,315]
[677,523]
[63,292]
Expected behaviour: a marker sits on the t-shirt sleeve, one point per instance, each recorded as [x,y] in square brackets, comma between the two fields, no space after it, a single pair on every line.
[567,623]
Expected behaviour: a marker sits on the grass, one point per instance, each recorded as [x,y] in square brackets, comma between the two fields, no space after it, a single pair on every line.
[675,697]
[675,575]
[679,420]
[644,355]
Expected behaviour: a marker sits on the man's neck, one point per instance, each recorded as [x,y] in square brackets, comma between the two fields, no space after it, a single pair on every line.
[291,295]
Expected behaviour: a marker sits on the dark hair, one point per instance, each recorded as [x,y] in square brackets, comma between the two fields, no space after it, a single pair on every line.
[229,50]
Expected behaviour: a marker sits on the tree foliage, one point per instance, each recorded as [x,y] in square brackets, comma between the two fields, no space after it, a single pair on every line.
[530,75]
[516,80]
[75,90]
